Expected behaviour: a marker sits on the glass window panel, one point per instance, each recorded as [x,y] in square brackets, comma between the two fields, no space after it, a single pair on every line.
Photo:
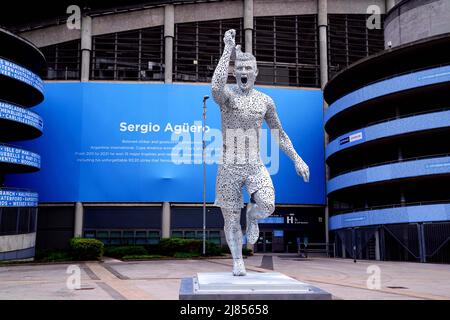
[9,221]
[130,55]
[198,47]
[153,237]
[200,235]
[349,40]
[214,237]
[177,234]
[63,60]
[103,236]
[116,237]
[141,237]
[128,237]
[189,234]
[89,233]
[24,220]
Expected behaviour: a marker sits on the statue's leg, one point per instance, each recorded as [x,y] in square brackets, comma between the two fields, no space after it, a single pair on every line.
[263,207]
[233,234]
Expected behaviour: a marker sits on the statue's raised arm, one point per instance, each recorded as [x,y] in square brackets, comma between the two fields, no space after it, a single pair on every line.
[219,80]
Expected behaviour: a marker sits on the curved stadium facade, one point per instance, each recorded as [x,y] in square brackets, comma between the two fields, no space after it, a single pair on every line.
[21,66]
[169,49]
[389,157]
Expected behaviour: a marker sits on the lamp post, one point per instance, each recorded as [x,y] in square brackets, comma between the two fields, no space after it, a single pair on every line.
[204,172]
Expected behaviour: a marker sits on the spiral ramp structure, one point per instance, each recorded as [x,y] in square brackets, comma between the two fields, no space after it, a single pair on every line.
[21,88]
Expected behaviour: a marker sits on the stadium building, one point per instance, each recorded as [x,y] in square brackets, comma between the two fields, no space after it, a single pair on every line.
[388,155]
[122,77]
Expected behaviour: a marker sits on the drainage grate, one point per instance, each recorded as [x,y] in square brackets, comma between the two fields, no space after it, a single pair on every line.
[85,288]
[396,287]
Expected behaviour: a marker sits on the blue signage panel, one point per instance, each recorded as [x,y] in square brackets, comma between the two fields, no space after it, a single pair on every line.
[278,233]
[116,142]
[19,156]
[18,198]
[12,70]
[18,114]
[272,220]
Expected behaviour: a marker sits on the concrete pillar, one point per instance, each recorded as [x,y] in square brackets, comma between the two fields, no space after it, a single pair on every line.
[400,154]
[422,248]
[169,33]
[377,245]
[344,254]
[86,47]
[327,216]
[389,5]
[322,10]
[322,6]
[79,215]
[165,221]
[402,198]
[248,25]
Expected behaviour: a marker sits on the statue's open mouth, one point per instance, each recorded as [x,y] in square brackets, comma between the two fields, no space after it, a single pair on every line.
[244,79]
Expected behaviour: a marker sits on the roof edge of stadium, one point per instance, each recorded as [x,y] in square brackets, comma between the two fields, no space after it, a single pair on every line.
[330,96]
[103,12]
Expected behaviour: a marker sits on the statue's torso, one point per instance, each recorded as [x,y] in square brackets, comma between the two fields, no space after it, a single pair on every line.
[242,119]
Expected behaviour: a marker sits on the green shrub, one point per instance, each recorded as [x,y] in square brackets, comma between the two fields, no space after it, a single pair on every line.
[213,249]
[52,255]
[169,246]
[186,254]
[225,249]
[152,248]
[142,257]
[86,249]
[121,251]
[247,252]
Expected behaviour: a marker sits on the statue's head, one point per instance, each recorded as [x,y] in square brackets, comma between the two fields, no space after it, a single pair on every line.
[245,70]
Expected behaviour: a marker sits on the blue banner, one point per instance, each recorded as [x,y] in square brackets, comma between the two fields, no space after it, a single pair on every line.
[115,142]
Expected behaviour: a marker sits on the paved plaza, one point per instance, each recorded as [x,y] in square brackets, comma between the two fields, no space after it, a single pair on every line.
[160,279]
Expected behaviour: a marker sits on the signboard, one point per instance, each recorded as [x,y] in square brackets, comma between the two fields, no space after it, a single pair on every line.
[115,142]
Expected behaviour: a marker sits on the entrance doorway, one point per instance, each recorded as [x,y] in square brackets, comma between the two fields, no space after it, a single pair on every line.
[264,243]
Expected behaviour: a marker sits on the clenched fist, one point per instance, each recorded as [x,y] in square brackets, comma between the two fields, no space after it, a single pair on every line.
[229,38]
[302,169]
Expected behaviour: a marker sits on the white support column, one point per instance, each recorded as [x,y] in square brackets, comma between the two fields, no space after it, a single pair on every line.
[377,245]
[322,6]
[165,221]
[79,215]
[248,25]
[169,33]
[344,253]
[322,11]
[86,47]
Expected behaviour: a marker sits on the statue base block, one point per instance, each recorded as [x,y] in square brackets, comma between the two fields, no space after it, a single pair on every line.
[253,286]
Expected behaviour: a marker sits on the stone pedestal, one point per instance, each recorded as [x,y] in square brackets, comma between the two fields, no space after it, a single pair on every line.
[253,286]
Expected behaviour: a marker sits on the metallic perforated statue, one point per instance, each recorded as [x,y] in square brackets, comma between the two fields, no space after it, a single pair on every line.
[243,111]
